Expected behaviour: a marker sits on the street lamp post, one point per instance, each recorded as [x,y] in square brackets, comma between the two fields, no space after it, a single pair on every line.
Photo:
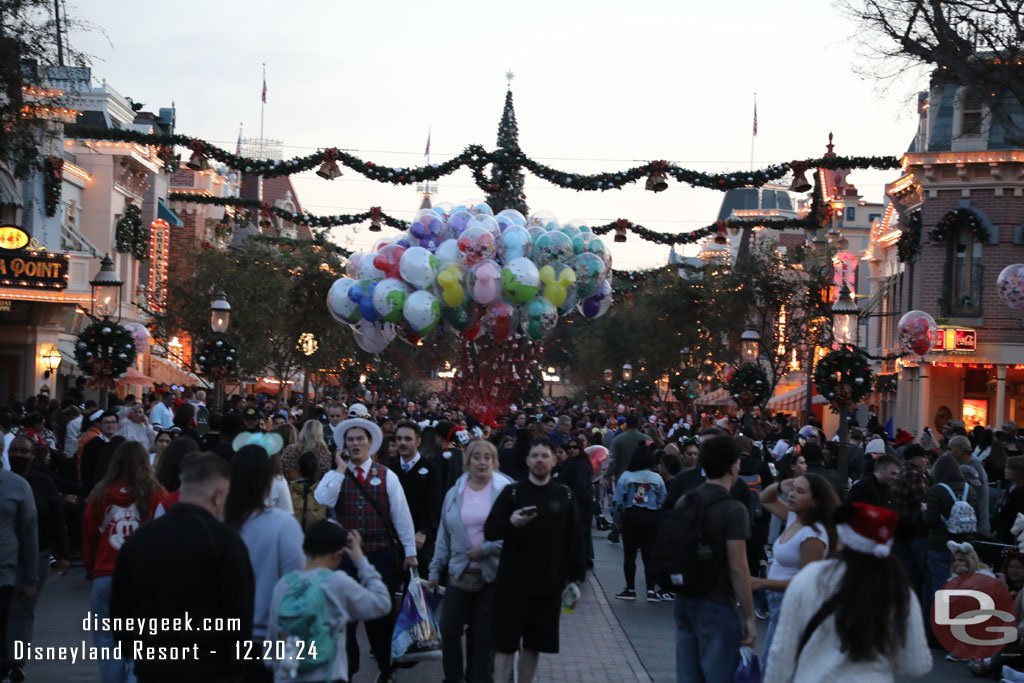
[750,342]
[551,379]
[106,291]
[220,318]
[627,372]
[844,321]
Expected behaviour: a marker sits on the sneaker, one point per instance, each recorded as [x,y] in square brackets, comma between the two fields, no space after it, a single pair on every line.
[388,677]
[667,596]
[613,537]
[626,595]
[953,658]
[1012,675]
[652,596]
[762,614]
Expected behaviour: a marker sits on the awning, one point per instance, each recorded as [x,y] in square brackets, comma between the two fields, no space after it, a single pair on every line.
[718,397]
[164,372]
[67,352]
[9,194]
[793,401]
[165,213]
[136,379]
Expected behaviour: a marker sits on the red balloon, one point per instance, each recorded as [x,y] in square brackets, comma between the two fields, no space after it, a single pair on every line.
[387,260]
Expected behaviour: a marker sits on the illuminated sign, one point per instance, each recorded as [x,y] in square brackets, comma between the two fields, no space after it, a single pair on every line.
[956,340]
[844,266]
[12,238]
[34,270]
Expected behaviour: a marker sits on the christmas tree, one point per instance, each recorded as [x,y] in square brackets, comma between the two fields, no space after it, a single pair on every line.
[505,190]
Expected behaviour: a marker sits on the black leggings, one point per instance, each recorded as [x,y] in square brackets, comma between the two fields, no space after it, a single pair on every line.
[639,532]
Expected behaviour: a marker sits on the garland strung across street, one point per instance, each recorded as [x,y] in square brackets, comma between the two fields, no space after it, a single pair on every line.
[475,158]
[378,217]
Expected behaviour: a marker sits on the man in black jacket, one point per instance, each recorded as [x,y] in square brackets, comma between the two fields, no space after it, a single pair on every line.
[189,566]
[876,488]
[421,482]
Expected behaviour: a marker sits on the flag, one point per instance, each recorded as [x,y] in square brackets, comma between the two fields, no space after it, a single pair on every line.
[264,88]
[755,115]
[427,152]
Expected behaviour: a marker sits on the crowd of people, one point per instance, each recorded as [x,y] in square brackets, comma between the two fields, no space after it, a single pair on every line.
[272,520]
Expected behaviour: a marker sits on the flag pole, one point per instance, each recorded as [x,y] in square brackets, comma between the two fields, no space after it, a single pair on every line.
[263,108]
[753,135]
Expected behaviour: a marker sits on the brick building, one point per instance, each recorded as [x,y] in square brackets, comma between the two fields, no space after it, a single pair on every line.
[961,172]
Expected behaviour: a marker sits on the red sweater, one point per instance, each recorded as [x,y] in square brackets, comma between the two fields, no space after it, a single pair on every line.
[102,537]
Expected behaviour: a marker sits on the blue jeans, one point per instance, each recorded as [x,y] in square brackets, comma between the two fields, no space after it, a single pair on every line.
[938,575]
[707,641]
[111,670]
[775,605]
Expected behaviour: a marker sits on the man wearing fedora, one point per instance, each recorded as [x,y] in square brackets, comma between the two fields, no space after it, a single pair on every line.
[368,497]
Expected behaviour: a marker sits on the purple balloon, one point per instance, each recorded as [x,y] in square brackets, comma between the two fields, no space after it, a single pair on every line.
[592,306]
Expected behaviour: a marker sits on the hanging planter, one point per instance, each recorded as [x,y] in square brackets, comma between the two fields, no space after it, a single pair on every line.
[748,386]
[217,358]
[843,377]
[104,351]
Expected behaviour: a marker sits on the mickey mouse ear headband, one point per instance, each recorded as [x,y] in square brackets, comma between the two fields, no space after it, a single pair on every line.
[271,442]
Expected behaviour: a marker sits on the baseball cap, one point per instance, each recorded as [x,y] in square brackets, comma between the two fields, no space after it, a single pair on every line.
[621,420]
[358,410]
[250,413]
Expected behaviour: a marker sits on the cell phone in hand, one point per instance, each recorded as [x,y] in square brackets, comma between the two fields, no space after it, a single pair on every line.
[529,510]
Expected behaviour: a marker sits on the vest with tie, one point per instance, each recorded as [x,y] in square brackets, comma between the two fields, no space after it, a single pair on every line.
[354,511]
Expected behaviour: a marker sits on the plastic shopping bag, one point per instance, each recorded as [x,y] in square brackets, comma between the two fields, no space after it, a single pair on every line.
[417,636]
[749,670]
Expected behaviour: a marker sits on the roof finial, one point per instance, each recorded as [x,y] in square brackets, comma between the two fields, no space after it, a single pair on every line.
[829,146]
[508,77]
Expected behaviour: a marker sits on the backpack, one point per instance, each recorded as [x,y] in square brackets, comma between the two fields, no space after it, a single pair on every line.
[754,507]
[683,557]
[302,614]
[306,508]
[962,518]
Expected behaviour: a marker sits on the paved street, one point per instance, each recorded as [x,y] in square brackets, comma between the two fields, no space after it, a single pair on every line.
[595,644]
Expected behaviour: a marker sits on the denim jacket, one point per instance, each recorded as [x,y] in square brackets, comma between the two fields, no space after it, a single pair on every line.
[642,489]
[453,541]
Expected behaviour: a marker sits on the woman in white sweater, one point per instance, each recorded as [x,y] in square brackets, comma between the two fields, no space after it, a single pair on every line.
[870,624]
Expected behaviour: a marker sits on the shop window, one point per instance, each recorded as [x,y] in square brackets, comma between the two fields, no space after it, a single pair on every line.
[975,413]
[962,290]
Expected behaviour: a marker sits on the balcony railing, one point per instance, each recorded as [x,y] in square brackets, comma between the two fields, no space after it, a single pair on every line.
[961,297]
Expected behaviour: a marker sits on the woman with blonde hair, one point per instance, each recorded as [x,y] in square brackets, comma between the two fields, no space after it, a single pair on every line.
[310,438]
[472,563]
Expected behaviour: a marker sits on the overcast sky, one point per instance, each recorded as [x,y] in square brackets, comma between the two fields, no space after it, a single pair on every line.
[598,86]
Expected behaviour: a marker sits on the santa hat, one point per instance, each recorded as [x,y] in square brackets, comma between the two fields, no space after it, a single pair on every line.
[869,530]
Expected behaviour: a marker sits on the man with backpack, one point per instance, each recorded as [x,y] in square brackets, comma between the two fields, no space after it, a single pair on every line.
[702,553]
[311,608]
[188,563]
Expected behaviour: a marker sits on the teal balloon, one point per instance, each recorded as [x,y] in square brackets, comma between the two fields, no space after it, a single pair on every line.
[589,272]
[539,317]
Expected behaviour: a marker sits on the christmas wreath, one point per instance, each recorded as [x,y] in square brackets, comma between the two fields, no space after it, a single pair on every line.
[909,243]
[748,385]
[886,384]
[952,221]
[217,357]
[104,352]
[131,238]
[843,377]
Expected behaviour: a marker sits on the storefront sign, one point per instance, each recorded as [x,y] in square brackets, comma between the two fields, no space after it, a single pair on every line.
[12,238]
[5,306]
[956,340]
[34,270]
[844,265]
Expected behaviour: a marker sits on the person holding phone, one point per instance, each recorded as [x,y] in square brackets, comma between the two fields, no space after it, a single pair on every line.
[535,518]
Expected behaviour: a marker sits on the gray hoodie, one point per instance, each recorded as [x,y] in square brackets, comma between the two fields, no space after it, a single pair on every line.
[452,539]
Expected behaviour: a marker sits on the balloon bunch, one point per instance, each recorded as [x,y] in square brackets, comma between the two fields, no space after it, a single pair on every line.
[917,332]
[475,274]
